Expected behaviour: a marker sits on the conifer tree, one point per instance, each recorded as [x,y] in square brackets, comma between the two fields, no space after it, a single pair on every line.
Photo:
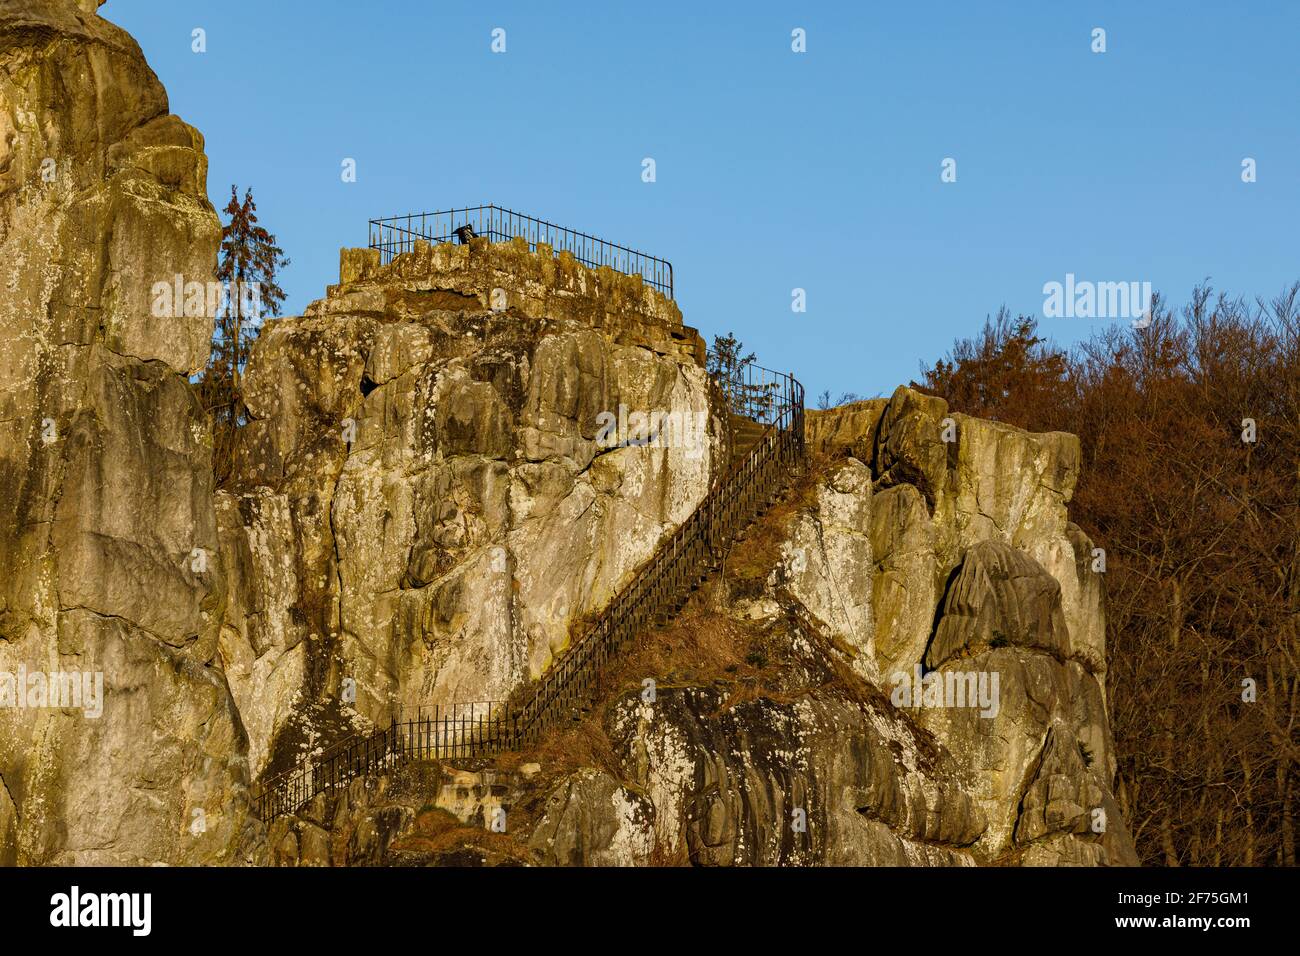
[728,363]
[249,264]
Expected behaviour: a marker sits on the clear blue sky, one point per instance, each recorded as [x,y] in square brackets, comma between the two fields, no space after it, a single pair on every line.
[775,170]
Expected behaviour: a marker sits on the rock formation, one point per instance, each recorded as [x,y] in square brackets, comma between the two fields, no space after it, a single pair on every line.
[425,503]
[834,754]
[106,492]
[447,469]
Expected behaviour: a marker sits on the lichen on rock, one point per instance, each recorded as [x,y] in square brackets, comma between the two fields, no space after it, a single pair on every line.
[106,499]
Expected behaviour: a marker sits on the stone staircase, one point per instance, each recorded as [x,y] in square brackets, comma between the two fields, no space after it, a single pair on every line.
[765,439]
[745,434]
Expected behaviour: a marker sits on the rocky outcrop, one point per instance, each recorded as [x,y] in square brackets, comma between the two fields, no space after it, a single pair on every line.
[428,499]
[1000,596]
[932,705]
[509,275]
[818,780]
[847,430]
[890,711]
[108,537]
[975,574]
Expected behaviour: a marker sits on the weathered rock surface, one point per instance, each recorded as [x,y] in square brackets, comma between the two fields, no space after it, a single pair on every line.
[427,503]
[905,587]
[828,560]
[106,515]
[847,430]
[816,781]
[976,571]
[999,597]
[430,495]
[920,566]
[593,820]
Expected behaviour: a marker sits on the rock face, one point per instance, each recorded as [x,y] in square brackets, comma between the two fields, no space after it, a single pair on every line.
[106,515]
[921,570]
[432,493]
[815,781]
[593,820]
[925,712]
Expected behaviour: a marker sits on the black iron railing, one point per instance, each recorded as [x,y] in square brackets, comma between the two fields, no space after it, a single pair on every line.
[752,391]
[664,582]
[398,234]
[657,590]
[452,732]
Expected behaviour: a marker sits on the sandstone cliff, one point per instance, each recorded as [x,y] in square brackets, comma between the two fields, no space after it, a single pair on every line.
[423,504]
[790,744]
[106,497]
[423,509]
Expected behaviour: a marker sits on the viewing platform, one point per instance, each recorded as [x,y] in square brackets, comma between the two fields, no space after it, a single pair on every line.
[489,259]
[398,234]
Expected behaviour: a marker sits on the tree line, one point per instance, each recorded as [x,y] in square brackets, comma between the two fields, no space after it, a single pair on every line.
[1190,481]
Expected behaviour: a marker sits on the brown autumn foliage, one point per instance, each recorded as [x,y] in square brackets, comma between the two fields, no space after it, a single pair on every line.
[1201,530]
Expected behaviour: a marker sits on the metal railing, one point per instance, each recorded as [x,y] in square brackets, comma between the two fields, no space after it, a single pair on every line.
[657,590]
[395,235]
[663,584]
[457,731]
[752,391]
